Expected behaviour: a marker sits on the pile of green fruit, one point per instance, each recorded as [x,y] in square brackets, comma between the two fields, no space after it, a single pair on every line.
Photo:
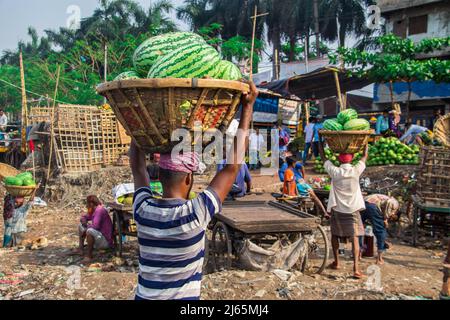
[333,157]
[179,55]
[392,151]
[24,179]
[347,120]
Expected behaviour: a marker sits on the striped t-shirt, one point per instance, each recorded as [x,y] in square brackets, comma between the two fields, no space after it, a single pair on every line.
[171,235]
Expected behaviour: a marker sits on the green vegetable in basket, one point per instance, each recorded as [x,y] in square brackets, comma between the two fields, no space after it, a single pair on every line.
[25,175]
[29,183]
[12,181]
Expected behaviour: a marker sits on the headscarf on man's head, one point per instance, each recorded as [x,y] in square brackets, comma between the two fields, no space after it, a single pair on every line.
[345,158]
[187,162]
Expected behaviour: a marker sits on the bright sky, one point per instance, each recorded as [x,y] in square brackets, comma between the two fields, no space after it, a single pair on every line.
[17,15]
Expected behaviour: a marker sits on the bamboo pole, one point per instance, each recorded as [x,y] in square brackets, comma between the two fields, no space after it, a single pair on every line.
[52,129]
[277,75]
[255,18]
[339,93]
[24,105]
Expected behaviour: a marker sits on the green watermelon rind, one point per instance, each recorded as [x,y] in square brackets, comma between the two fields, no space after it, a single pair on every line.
[346,115]
[332,125]
[227,70]
[146,55]
[194,61]
[127,75]
[357,125]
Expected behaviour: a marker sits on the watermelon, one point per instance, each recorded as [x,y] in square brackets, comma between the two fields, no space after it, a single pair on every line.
[357,124]
[227,70]
[13,181]
[29,183]
[25,175]
[194,61]
[152,49]
[333,125]
[127,75]
[347,115]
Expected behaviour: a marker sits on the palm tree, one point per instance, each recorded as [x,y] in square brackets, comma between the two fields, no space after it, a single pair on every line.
[350,14]
[233,15]
[155,19]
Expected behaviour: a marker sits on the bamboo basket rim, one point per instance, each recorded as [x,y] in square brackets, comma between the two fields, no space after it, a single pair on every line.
[7,167]
[21,187]
[347,133]
[173,83]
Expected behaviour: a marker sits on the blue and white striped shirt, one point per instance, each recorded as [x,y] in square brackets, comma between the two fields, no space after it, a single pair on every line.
[171,235]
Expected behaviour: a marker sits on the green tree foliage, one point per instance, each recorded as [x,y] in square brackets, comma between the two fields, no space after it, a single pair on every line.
[397,60]
[121,24]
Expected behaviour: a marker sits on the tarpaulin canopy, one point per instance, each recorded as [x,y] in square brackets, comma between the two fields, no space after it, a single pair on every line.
[316,85]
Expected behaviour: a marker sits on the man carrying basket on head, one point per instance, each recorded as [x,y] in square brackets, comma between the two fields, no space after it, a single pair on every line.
[171,230]
[345,203]
[15,212]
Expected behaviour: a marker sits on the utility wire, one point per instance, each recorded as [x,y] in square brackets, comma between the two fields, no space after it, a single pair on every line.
[31,92]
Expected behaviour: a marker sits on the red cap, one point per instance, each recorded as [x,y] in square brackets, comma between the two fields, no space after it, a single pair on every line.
[345,158]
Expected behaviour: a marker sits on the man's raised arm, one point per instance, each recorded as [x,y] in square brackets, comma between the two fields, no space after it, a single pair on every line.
[224,180]
[138,167]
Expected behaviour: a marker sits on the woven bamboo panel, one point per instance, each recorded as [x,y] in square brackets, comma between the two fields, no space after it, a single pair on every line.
[113,146]
[152,109]
[433,181]
[39,114]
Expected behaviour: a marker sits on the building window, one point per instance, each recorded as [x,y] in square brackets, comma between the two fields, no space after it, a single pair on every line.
[400,28]
[418,25]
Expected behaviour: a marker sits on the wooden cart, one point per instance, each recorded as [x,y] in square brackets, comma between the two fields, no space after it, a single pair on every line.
[123,224]
[259,220]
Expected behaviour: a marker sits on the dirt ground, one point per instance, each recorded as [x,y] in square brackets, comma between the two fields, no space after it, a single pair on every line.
[51,273]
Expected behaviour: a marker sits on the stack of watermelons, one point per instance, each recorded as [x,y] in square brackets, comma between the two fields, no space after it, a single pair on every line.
[179,55]
[24,179]
[347,120]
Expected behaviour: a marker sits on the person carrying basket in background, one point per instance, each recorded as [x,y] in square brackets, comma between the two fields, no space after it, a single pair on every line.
[345,203]
[15,212]
[171,230]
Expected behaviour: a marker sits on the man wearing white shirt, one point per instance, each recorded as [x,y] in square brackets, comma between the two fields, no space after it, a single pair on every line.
[345,203]
[3,121]
[309,136]
[255,146]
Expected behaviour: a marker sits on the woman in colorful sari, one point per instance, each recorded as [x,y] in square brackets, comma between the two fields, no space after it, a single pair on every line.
[15,212]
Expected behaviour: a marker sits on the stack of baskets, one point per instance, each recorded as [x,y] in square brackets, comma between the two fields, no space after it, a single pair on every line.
[15,191]
[433,181]
[346,141]
[151,110]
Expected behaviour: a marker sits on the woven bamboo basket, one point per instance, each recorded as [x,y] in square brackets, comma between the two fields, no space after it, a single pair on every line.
[442,130]
[150,110]
[20,191]
[346,141]
[7,171]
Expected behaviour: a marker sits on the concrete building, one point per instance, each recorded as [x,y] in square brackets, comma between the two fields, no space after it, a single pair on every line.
[417,20]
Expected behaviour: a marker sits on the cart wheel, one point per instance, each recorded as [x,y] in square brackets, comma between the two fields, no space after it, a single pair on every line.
[221,246]
[317,256]
[118,234]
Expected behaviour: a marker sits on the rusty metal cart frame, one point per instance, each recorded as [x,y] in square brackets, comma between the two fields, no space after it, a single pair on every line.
[242,220]
[121,217]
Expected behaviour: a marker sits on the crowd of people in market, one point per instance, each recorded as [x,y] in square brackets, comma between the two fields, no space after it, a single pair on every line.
[172,221]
